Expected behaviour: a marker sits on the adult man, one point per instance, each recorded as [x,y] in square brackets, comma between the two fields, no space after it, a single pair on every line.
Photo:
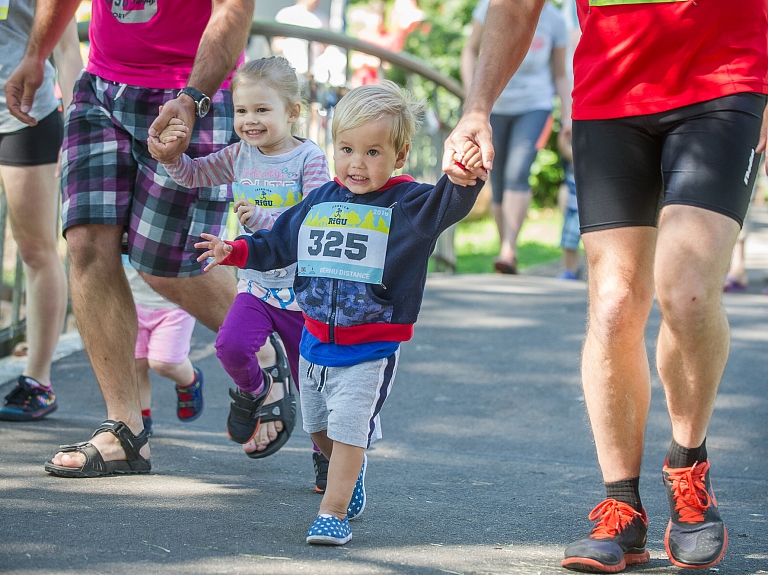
[110,185]
[668,103]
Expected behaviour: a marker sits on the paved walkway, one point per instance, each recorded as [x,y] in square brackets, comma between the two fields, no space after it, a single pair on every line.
[487,465]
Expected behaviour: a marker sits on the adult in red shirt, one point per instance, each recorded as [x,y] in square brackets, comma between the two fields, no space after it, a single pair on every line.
[144,55]
[668,102]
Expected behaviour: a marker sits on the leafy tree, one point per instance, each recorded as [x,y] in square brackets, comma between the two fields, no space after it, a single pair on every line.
[439,41]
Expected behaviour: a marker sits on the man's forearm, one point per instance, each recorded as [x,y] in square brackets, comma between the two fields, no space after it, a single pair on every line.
[222,43]
[51,19]
[507,34]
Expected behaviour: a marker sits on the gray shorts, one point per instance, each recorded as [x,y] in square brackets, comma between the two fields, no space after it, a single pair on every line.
[346,401]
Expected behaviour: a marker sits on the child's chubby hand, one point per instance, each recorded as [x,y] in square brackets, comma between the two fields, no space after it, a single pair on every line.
[215,248]
[244,210]
[470,159]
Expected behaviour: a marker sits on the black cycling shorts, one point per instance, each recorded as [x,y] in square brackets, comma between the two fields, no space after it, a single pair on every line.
[700,155]
[34,145]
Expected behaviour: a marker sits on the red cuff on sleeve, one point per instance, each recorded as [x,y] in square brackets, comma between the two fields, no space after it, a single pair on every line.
[238,256]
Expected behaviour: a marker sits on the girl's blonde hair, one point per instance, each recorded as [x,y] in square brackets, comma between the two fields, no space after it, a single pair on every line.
[377,101]
[276,73]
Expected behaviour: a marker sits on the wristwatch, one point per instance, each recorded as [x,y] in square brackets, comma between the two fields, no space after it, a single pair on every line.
[202,102]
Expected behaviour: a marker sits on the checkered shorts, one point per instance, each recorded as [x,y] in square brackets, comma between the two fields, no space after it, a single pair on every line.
[108,176]
[571,234]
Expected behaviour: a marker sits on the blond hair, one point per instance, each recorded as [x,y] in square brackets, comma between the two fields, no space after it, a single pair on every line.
[276,73]
[374,102]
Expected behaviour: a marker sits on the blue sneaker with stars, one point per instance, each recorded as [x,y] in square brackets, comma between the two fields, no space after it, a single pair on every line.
[329,530]
[357,503]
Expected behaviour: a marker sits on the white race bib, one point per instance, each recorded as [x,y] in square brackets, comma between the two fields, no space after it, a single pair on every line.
[270,198]
[344,241]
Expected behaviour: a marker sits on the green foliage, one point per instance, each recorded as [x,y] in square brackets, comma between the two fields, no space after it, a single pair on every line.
[439,41]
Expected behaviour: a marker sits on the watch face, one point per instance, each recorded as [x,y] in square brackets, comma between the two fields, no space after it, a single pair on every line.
[203,106]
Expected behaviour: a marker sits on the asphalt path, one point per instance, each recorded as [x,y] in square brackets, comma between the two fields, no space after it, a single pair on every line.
[487,465]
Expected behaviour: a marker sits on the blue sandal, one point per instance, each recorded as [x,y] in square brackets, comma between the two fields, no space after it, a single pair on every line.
[189,399]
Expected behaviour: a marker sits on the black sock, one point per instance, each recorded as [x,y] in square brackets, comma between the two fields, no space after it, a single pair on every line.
[679,456]
[627,491]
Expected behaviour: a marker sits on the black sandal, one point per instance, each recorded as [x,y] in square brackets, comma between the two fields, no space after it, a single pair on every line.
[95,466]
[243,420]
[283,410]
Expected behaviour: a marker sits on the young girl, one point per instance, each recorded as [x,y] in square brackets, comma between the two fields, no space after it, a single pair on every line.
[362,244]
[272,169]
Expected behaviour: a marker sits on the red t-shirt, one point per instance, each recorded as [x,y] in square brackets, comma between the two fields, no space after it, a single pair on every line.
[146,43]
[638,59]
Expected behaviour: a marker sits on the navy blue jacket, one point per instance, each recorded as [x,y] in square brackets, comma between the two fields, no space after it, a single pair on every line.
[348,312]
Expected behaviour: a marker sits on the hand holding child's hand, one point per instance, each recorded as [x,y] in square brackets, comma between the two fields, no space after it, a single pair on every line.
[175,130]
[244,210]
[470,159]
[167,146]
[215,248]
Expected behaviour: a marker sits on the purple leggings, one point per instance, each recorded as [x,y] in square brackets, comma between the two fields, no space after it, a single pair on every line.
[246,328]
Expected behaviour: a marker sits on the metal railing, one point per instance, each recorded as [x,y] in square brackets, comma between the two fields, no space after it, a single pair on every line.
[423,164]
[14,327]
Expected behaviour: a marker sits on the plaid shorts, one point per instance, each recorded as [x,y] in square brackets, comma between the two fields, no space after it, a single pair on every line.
[571,233]
[108,176]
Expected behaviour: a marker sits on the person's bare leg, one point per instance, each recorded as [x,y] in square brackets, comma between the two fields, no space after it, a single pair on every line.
[182,374]
[207,296]
[32,193]
[615,369]
[145,383]
[343,470]
[106,318]
[571,260]
[691,261]
[514,207]
[738,268]
[498,217]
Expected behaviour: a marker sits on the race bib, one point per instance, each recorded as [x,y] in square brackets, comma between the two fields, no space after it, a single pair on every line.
[270,198]
[4,9]
[618,2]
[344,241]
[134,11]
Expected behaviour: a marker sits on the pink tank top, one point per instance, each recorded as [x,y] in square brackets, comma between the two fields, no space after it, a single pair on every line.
[147,43]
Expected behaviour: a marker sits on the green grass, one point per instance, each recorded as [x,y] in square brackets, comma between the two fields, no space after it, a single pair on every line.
[477,243]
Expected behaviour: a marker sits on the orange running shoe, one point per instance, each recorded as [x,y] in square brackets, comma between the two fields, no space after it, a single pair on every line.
[696,536]
[616,540]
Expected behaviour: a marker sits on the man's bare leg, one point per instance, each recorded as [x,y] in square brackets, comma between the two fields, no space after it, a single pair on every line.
[106,318]
[695,246]
[207,297]
[615,369]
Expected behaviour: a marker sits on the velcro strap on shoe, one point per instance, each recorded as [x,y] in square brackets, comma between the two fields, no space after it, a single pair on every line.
[130,443]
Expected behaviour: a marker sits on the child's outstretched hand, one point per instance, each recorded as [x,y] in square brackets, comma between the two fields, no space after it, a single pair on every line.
[244,210]
[215,248]
[175,130]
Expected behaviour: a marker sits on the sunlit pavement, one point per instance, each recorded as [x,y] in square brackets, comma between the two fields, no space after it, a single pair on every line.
[487,465]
